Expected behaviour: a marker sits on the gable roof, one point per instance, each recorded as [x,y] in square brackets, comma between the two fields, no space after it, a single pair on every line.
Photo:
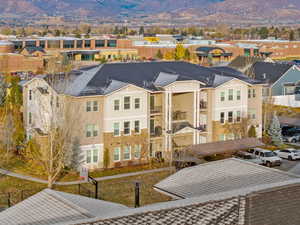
[219,177]
[52,207]
[268,72]
[31,50]
[152,76]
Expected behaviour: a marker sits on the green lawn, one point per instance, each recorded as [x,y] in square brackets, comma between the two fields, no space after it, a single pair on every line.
[116,190]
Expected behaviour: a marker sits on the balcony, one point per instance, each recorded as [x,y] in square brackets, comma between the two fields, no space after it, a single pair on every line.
[179,115]
[156,132]
[203,105]
[156,109]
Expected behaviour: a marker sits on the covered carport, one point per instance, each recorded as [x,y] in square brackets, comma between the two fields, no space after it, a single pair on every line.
[194,154]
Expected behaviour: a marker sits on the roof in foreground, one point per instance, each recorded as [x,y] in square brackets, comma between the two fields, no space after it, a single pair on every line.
[219,177]
[53,207]
[106,78]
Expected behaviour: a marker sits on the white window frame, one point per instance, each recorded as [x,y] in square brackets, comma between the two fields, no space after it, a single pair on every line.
[124,103]
[137,104]
[232,118]
[92,128]
[118,105]
[119,154]
[222,96]
[125,128]
[30,95]
[240,118]
[88,153]
[137,149]
[95,106]
[139,122]
[88,106]
[238,95]
[129,148]
[222,121]
[119,130]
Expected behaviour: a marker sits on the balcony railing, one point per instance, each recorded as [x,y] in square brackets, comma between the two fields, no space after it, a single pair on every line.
[179,115]
[156,132]
[156,109]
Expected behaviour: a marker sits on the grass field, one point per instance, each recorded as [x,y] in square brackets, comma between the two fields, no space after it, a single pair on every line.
[116,190]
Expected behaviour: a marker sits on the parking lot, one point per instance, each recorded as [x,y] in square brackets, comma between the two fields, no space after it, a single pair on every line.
[290,166]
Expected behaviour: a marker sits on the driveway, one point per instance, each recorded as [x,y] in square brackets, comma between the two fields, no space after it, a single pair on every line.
[290,166]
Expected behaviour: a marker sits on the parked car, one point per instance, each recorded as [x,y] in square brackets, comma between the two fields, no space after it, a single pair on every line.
[292,131]
[248,157]
[292,139]
[290,154]
[268,157]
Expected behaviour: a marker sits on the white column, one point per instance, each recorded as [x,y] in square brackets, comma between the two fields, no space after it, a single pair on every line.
[170,120]
[198,115]
[166,120]
[195,118]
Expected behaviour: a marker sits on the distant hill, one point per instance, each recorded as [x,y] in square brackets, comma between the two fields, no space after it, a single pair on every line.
[202,10]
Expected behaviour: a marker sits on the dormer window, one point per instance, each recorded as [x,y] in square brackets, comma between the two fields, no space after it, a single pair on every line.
[264,76]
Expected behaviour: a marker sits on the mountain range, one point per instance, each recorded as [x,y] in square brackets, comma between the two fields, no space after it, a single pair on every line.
[195,10]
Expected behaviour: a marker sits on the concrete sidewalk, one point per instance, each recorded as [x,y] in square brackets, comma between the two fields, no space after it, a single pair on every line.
[29,178]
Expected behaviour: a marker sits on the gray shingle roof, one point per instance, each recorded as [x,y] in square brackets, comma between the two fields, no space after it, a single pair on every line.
[150,76]
[225,212]
[268,72]
[221,176]
[52,207]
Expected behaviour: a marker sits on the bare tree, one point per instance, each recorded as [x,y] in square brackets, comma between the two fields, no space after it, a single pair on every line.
[239,129]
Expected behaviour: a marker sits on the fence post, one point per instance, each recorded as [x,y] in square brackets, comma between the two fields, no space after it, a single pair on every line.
[137,194]
[8,200]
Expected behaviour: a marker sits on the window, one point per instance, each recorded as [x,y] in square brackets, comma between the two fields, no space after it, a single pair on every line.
[95,155]
[230,94]
[99,43]
[117,154]
[87,43]
[137,103]
[137,151]
[249,93]
[152,127]
[222,97]
[30,95]
[92,156]
[29,117]
[137,126]
[126,128]
[230,117]
[95,106]
[253,93]
[117,105]
[116,129]
[91,130]
[222,137]
[238,116]
[79,44]
[127,102]
[127,155]
[252,114]
[238,95]
[88,156]
[88,106]
[222,117]
[112,43]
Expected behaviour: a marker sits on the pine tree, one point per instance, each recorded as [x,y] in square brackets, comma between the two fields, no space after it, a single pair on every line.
[275,131]
[141,31]
[159,54]
[179,52]
[187,55]
[76,158]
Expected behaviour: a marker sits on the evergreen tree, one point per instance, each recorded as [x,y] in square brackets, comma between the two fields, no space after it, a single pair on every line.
[292,35]
[76,158]
[142,30]
[275,131]
[252,132]
[187,55]
[179,52]
[159,54]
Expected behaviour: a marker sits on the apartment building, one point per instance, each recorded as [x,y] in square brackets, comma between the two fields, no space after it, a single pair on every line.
[137,111]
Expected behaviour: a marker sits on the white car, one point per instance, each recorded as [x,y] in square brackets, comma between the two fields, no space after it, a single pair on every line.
[268,158]
[291,139]
[290,154]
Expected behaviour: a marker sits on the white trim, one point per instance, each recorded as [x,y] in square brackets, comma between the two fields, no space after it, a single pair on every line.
[129,147]
[126,117]
[249,84]
[119,150]
[293,67]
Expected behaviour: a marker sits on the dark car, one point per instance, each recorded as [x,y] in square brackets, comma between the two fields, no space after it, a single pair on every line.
[291,132]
